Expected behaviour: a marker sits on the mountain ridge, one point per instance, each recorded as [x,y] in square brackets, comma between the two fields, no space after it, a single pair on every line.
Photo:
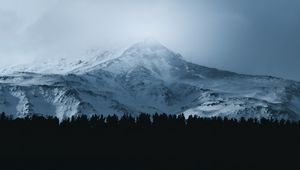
[146,77]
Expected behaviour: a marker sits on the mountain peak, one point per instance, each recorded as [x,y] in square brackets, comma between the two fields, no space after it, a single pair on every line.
[148,43]
[150,48]
[148,54]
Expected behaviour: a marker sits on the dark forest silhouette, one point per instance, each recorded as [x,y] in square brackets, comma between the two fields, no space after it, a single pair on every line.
[161,121]
[157,141]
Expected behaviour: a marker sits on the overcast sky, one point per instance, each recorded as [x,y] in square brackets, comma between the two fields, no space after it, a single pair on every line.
[246,36]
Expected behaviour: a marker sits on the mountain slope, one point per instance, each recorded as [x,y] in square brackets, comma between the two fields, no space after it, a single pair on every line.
[146,77]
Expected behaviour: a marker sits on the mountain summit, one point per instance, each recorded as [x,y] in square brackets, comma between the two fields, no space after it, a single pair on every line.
[148,43]
[148,55]
[146,77]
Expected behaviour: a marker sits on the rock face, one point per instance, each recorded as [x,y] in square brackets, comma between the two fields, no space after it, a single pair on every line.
[147,77]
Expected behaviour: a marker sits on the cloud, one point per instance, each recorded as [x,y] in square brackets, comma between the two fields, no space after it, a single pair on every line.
[256,37]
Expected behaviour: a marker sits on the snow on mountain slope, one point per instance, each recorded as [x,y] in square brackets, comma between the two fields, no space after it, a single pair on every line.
[64,65]
[146,77]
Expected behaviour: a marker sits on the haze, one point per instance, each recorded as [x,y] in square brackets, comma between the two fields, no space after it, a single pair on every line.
[253,37]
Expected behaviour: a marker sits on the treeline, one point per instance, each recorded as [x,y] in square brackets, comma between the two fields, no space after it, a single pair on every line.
[158,141]
[143,121]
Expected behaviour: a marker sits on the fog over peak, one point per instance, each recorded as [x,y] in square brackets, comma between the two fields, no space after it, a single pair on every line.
[254,37]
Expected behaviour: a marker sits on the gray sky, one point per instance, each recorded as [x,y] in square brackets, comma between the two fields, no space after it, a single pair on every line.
[246,36]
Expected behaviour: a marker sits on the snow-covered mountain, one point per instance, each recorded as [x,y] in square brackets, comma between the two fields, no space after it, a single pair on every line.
[146,77]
